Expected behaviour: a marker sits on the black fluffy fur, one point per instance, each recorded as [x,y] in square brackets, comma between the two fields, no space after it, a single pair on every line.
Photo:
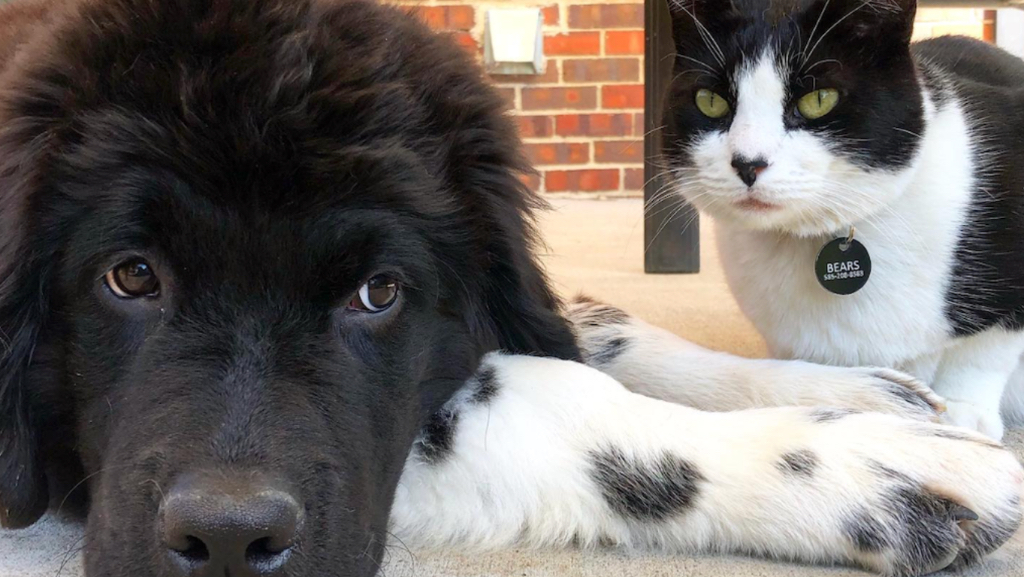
[266,158]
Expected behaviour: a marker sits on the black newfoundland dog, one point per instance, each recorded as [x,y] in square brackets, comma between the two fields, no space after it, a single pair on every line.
[265,235]
[256,257]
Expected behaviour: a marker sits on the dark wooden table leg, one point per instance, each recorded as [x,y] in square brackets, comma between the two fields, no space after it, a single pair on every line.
[671,247]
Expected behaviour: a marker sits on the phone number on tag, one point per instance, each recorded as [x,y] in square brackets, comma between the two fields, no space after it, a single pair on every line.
[844,275]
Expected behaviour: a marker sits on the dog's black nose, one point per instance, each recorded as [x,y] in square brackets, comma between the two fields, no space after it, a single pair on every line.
[748,169]
[222,525]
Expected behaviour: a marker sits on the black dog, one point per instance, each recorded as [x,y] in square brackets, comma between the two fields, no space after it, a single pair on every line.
[193,195]
[254,252]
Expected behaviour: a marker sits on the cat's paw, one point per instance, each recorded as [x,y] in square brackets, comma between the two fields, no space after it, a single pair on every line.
[877,390]
[968,415]
[931,497]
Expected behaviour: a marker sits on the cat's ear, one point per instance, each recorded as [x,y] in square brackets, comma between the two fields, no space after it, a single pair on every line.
[696,23]
[694,7]
[884,22]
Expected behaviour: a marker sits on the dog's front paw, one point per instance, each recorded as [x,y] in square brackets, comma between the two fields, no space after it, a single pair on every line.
[937,497]
[971,416]
[913,530]
[876,390]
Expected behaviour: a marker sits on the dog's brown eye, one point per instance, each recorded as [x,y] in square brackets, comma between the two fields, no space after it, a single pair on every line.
[376,296]
[133,279]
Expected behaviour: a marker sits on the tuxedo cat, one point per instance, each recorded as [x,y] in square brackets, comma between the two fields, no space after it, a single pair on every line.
[796,123]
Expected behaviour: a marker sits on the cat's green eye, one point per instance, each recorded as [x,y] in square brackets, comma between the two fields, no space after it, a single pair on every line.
[818,103]
[711,105]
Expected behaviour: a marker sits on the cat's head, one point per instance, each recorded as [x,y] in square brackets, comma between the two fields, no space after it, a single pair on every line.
[801,116]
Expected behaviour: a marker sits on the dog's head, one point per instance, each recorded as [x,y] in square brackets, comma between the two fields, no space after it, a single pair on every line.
[246,250]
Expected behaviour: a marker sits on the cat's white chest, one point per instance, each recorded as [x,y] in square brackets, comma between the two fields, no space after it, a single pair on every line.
[897,316]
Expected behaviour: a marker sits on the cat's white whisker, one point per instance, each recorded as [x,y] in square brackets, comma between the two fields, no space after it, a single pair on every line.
[905,131]
[810,37]
[808,69]
[707,66]
[706,36]
[682,206]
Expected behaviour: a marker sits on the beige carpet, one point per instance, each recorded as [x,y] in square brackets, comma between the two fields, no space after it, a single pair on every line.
[595,247]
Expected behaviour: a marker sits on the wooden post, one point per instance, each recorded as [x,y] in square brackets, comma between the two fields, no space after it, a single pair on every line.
[670,247]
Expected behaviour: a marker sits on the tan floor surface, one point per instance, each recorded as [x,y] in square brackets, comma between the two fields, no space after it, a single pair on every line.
[595,247]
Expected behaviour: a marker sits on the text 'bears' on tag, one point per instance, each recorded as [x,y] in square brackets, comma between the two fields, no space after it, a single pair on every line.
[843,266]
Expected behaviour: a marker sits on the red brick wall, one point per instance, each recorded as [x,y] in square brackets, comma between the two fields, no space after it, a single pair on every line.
[582,120]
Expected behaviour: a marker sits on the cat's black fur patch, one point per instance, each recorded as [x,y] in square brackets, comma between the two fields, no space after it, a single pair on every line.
[987,286]
[645,490]
[935,82]
[802,462]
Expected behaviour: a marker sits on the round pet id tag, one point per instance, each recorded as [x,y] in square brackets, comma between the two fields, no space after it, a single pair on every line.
[843,266]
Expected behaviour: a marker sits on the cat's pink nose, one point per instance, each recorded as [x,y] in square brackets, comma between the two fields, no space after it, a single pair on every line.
[749,170]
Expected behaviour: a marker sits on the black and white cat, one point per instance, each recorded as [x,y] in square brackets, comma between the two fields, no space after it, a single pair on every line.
[791,122]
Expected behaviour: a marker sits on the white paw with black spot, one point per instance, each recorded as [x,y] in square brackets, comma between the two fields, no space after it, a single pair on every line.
[938,497]
[913,531]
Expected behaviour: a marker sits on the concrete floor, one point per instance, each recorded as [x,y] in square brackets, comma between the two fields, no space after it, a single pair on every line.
[595,247]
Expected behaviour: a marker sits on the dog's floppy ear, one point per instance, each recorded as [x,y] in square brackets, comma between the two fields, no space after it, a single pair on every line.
[24,494]
[23,487]
[525,314]
[512,306]
[517,311]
